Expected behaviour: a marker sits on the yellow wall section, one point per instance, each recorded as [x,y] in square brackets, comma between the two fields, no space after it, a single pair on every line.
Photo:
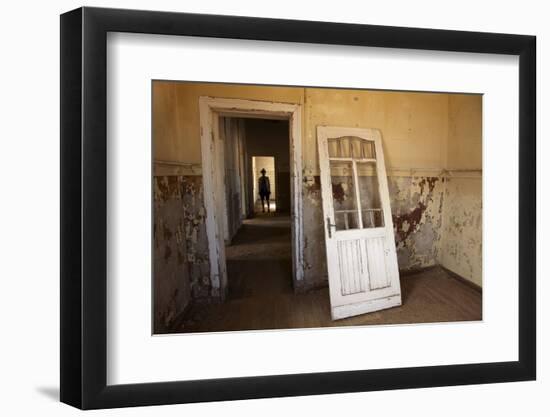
[465,130]
[413,125]
[176,129]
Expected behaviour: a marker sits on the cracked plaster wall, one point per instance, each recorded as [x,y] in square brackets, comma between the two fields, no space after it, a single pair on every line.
[180,253]
[461,250]
[425,131]
[417,207]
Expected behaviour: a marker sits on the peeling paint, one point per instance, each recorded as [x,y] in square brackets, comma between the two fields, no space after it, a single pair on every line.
[312,189]
[180,246]
[315,266]
[462,243]
[405,224]
[417,210]
[417,206]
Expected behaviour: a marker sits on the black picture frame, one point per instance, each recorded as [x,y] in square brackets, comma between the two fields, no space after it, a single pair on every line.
[84,207]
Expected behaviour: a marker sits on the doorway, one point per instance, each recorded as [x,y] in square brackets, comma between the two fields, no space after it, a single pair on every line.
[258,250]
[228,168]
[263,169]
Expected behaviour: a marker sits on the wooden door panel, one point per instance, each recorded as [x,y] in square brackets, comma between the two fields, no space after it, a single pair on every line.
[353,272]
[376,256]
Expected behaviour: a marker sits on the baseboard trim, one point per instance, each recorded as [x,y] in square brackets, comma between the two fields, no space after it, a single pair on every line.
[413,271]
[463,280]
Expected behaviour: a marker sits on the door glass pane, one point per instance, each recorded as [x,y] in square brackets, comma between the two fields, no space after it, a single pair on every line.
[369,195]
[367,149]
[334,148]
[351,147]
[343,195]
[339,147]
[355,146]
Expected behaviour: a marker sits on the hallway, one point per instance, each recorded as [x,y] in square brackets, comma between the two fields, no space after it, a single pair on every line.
[261,296]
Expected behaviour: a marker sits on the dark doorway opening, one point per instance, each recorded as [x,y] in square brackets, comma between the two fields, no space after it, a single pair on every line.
[258,248]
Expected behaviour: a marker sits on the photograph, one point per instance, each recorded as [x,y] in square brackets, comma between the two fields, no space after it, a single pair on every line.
[294,207]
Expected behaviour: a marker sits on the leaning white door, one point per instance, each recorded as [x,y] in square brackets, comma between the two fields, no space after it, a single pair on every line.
[361,257]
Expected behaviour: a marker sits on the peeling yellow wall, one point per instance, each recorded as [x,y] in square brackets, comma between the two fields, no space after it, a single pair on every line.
[422,133]
[461,243]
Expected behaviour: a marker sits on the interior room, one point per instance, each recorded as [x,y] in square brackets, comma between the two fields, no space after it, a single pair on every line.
[225,262]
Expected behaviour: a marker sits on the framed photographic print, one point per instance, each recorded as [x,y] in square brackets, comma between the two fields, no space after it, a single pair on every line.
[256,207]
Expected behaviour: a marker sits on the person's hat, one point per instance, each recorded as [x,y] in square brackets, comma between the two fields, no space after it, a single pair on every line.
[263,171]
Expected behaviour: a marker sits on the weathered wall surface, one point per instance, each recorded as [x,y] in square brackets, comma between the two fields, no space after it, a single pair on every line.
[423,135]
[462,223]
[181,269]
[414,129]
[462,229]
[417,212]
[315,261]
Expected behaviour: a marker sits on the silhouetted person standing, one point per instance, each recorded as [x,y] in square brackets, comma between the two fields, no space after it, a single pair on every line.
[264,189]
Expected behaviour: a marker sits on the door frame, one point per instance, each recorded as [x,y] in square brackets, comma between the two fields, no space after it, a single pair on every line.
[210,110]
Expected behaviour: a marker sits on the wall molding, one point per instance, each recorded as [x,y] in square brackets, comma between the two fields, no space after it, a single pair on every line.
[434,172]
[462,279]
[420,172]
[169,168]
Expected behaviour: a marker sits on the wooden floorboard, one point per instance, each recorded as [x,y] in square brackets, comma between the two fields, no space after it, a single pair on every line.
[261,295]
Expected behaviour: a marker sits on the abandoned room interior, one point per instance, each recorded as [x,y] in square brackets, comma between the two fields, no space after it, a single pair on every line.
[372,212]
